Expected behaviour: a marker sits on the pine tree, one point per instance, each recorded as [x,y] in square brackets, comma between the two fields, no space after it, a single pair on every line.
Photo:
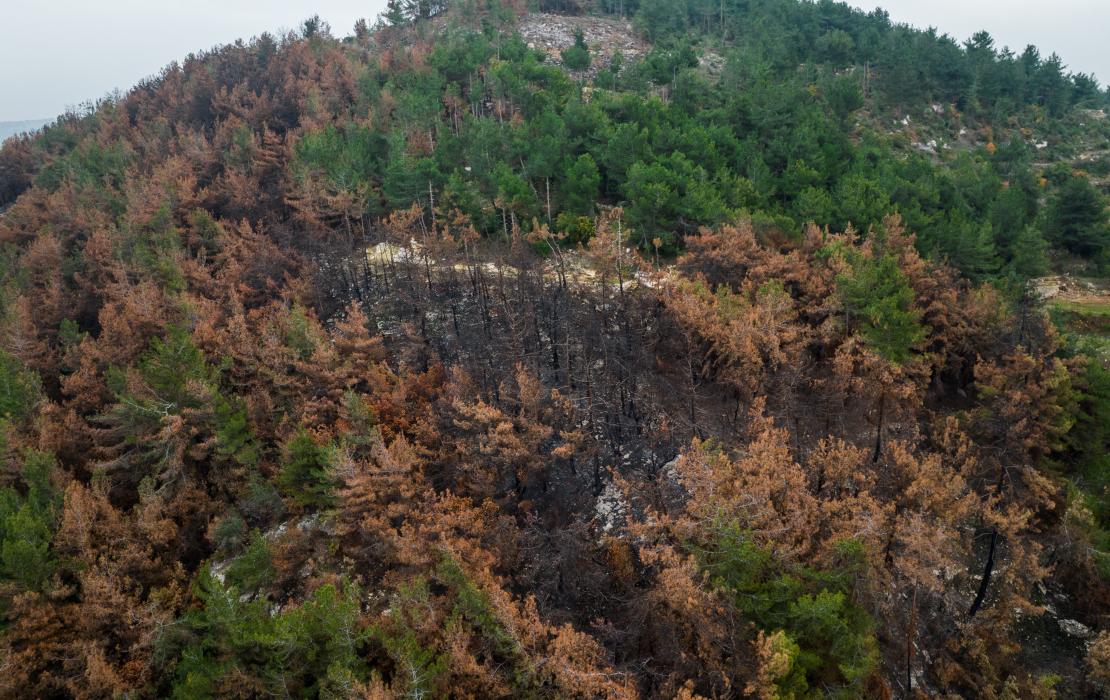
[1077,219]
[229,646]
[234,433]
[395,13]
[1029,257]
[306,475]
[582,188]
[879,301]
[173,366]
[577,56]
[19,387]
[27,524]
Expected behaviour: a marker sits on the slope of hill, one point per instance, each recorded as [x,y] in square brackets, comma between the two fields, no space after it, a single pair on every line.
[695,354]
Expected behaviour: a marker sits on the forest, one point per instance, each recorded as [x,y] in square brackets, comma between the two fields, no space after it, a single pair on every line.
[702,356]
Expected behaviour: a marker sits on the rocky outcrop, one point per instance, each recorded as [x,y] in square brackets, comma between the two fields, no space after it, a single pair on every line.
[605,37]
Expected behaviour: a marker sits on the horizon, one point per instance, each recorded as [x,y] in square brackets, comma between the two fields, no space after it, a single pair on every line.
[114,35]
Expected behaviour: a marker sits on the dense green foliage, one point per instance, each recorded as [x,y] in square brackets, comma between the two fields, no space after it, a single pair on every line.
[1088,463]
[831,644]
[310,650]
[878,298]
[1077,219]
[306,474]
[913,66]
[790,129]
[19,387]
[88,164]
[28,518]
[253,570]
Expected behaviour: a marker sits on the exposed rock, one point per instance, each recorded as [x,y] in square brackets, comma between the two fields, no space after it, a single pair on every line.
[611,510]
[931,147]
[1049,287]
[1072,289]
[1074,628]
[712,63]
[388,253]
[670,472]
[307,524]
[605,37]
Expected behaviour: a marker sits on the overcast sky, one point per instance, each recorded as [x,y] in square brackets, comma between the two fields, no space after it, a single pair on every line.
[59,53]
[1078,30]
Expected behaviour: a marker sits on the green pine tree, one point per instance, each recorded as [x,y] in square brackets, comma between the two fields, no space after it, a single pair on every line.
[306,476]
[236,441]
[394,13]
[1030,254]
[582,188]
[577,57]
[879,302]
[27,525]
[173,366]
[230,642]
[19,387]
[1077,220]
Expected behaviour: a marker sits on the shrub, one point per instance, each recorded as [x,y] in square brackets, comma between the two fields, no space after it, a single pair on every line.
[577,57]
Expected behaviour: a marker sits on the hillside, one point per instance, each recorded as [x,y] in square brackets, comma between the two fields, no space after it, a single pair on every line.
[629,350]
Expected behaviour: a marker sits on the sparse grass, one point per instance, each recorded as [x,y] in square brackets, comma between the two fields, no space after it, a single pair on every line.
[1086,323]
[1093,346]
[1083,308]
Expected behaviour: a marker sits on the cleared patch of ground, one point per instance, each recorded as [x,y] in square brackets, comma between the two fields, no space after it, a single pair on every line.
[1081,308]
[605,37]
[1087,294]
